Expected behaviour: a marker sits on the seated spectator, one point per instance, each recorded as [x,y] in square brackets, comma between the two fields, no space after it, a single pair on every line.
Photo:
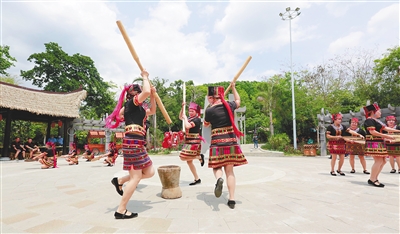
[60,141]
[31,148]
[52,139]
[17,147]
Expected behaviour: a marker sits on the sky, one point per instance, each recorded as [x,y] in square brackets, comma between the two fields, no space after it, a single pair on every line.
[203,41]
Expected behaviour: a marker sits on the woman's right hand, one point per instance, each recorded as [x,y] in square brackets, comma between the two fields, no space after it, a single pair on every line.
[144,74]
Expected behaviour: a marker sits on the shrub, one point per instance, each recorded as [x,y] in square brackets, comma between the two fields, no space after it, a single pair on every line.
[279,141]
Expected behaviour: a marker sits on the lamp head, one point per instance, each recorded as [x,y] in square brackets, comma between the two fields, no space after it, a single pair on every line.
[297,9]
[287,8]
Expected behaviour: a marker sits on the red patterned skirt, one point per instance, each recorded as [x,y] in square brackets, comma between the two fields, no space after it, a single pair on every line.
[355,148]
[375,146]
[224,149]
[134,151]
[48,162]
[393,149]
[337,146]
[192,147]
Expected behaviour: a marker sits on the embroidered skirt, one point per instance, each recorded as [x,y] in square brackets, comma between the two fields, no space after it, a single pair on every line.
[134,151]
[393,149]
[48,162]
[224,149]
[375,146]
[191,148]
[355,148]
[337,146]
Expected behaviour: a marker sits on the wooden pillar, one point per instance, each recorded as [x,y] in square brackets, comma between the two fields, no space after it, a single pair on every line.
[65,136]
[7,134]
[48,131]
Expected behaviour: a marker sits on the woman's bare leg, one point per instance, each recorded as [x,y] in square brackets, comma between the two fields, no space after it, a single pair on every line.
[351,160]
[134,178]
[363,162]
[193,169]
[231,181]
[333,162]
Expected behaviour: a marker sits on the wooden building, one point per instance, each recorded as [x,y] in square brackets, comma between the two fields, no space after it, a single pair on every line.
[20,103]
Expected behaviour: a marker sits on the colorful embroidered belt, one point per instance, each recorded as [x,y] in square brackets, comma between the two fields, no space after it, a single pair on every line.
[192,135]
[135,129]
[223,140]
[221,131]
[373,138]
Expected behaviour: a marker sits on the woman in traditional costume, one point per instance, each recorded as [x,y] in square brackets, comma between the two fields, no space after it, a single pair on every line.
[225,151]
[136,159]
[393,148]
[192,146]
[354,148]
[88,154]
[111,155]
[375,141]
[71,157]
[48,158]
[336,142]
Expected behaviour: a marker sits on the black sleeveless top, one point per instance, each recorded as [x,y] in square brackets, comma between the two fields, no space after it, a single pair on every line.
[197,125]
[134,114]
[218,115]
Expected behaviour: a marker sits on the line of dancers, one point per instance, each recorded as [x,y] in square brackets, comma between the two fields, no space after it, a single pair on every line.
[382,140]
[48,158]
[224,153]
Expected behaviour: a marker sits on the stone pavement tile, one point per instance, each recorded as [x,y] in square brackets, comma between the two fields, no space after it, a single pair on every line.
[75,227]
[385,229]
[18,217]
[184,224]
[159,212]
[241,225]
[49,227]
[101,229]
[82,204]
[212,225]
[179,213]
[156,225]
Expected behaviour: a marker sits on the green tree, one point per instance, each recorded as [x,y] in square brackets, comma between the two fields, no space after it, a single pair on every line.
[57,71]
[6,60]
[387,81]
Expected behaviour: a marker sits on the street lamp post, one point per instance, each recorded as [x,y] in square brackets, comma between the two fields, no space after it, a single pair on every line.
[289,15]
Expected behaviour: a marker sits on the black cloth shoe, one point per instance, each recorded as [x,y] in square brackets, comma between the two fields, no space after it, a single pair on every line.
[353,171]
[218,187]
[333,173]
[366,172]
[376,183]
[196,182]
[114,181]
[340,172]
[393,171]
[124,216]
[202,160]
[231,204]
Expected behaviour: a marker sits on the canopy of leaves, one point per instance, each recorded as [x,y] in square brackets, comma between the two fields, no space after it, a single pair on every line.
[6,60]
[57,71]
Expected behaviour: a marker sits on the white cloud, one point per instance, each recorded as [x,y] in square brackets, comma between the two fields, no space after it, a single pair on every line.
[351,40]
[208,10]
[175,42]
[339,9]
[383,20]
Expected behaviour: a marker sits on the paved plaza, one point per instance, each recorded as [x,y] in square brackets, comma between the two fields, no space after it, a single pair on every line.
[274,194]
